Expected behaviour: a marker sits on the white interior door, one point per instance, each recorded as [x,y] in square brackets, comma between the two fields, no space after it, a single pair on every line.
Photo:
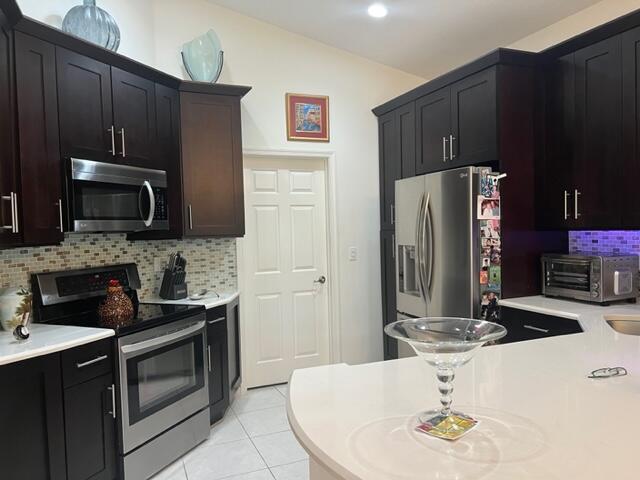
[286,319]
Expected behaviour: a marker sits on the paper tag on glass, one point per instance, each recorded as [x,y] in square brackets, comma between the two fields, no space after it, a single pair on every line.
[451,427]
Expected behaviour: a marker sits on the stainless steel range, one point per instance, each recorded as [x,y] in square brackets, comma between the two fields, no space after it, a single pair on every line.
[162,383]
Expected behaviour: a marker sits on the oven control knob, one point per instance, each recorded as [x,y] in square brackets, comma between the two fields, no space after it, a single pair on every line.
[594,294]
[595,286]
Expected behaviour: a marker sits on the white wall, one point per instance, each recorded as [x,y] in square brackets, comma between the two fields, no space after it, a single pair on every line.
[132,17]
[576,24]
[274,62]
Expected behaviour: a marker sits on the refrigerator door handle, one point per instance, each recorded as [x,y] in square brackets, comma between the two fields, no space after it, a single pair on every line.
[423,259]
[419,254]
[429,224]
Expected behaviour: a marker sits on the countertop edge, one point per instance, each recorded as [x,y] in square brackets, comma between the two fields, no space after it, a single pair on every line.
[208,302]
[58,347]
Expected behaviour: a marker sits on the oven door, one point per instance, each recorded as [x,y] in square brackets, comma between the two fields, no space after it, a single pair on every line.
[116,198]
[163,379]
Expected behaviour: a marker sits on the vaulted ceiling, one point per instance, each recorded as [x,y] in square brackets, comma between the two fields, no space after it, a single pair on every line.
[424,37]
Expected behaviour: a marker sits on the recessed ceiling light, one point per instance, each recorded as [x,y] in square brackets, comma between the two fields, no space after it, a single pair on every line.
[378,10]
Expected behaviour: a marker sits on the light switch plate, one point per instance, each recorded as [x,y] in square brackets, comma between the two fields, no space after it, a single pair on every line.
[158,264]
[353,254]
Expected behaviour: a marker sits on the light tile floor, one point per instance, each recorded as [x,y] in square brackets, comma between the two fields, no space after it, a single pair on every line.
[252,442]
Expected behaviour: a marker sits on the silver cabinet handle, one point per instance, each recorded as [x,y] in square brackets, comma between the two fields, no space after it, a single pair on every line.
[91,362]
[124,150]
[393,214]
[61,227]
[576,214]
[217,320]
[112,412]
[537,329]
[112,131]
[444,149]
[321,280]
[209,356]
[451,140]
[566,209]
[190,218]
[13,199]
[393,245]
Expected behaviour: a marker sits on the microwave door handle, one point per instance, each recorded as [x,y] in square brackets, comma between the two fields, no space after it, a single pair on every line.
[146,186]
[161,341]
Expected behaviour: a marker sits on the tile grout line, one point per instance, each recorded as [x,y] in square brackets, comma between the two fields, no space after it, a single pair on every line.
[184,468]
[254,446]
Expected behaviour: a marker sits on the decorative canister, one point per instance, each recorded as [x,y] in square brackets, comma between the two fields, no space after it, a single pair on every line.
[15,307]
[93,24]
[117,309]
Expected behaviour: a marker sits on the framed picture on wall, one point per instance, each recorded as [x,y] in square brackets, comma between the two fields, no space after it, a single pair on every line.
[307,117]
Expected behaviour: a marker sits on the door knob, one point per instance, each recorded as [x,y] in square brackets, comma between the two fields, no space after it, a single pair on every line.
[322,280]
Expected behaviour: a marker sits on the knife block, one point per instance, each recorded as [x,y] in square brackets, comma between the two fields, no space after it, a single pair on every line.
[173,285]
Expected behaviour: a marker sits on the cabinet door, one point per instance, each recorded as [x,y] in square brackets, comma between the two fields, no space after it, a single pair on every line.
[474,119]
[389,314]
[390,166]
[32,441]
[8,156]
[433,129]
[598,165]
[41,201]
[212,165]
[556,182]
[631,128]
[134,119]
[407,126]
[85,113]
[218,367]
[90,430]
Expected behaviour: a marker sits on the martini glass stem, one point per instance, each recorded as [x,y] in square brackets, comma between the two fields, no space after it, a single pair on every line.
[445,386]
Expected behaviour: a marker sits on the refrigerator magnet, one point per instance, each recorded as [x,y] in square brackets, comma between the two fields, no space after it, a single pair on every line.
[495,275]
[484,277]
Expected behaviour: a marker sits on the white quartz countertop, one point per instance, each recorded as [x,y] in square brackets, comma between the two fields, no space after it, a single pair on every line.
[46,339]
[540,416]
[210,300]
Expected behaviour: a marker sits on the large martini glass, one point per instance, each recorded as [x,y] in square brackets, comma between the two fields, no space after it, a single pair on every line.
[446,343]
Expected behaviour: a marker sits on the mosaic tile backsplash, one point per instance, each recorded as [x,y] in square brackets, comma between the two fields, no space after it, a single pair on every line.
[609,242]
[211,262]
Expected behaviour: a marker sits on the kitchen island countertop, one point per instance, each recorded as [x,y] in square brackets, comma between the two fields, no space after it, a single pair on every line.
[541,417]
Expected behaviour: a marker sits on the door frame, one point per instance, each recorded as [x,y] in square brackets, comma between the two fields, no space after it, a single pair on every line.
[329,161]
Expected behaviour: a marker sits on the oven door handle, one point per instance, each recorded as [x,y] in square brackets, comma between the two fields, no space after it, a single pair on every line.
[152,203]
[161,341]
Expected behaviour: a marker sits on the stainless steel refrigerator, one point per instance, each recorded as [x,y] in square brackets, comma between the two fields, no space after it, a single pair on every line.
[447,245]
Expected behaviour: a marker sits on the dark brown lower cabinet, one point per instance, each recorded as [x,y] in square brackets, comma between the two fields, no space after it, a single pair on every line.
[32,444]
[90,431]
[212,165]
[217,356]
[55,432]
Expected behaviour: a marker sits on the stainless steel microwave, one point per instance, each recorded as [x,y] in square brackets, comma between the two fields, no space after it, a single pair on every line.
[105,197]
[591,278]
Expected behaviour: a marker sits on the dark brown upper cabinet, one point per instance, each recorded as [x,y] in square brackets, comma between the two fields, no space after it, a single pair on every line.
[40,165]
[474,133]
[631,127]
[134,119]
[583,182]
[9,189]
[598,168]
[85,108]
[433,131]
[212,164]
[390,166]
[396,137]
[456,125]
